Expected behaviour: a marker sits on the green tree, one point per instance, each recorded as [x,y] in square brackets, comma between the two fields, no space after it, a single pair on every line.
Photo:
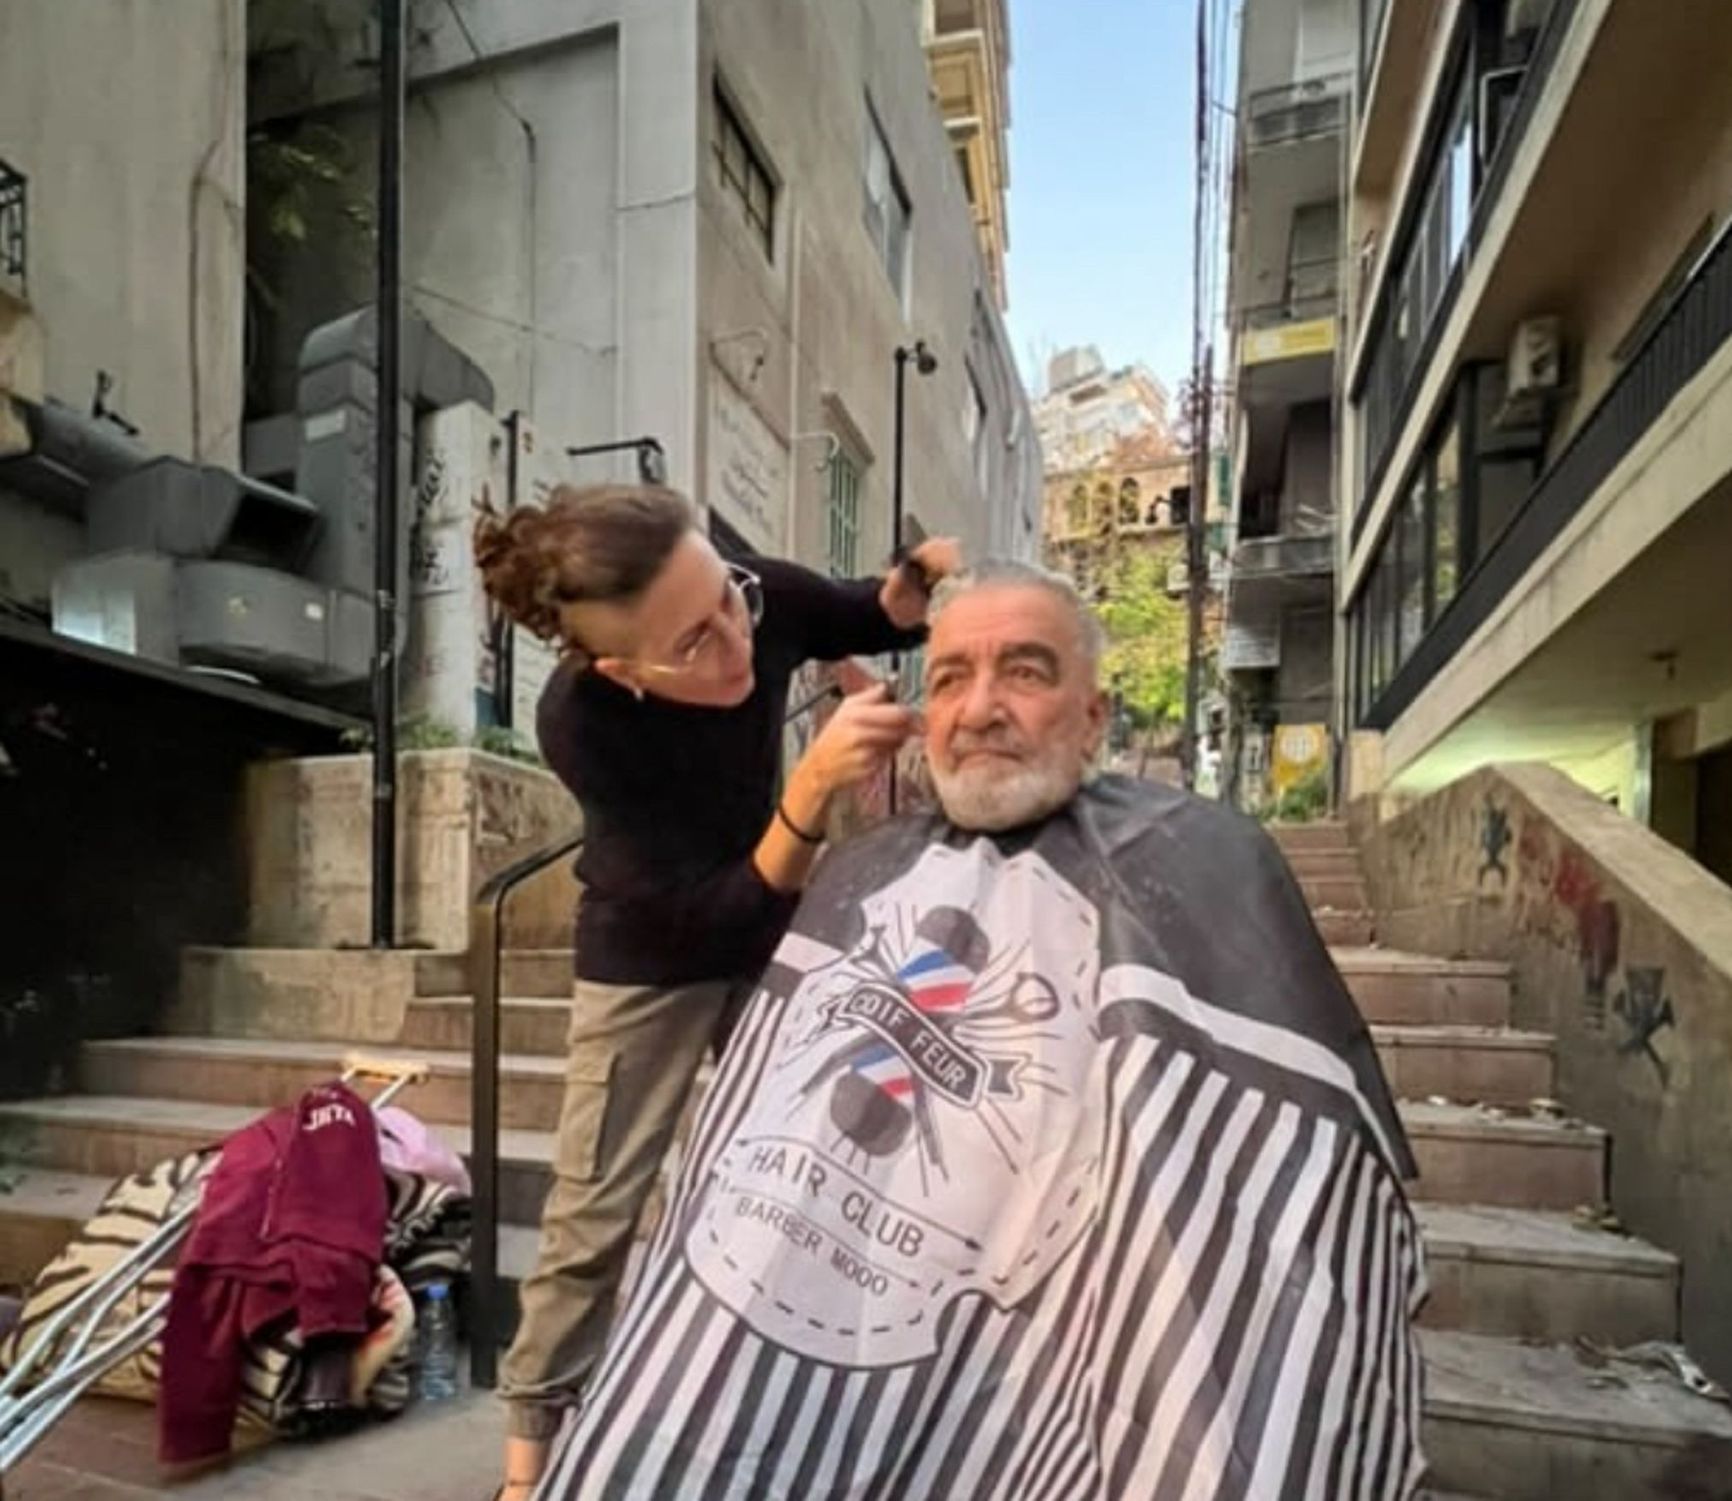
[1146,632]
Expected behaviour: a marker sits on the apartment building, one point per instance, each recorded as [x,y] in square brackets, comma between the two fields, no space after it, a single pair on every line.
[1535,401]
[1285,250]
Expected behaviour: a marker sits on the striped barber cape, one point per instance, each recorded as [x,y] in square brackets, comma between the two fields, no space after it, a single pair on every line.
[1046,1167]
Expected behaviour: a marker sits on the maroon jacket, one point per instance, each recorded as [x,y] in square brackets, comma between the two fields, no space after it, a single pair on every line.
[291,1226]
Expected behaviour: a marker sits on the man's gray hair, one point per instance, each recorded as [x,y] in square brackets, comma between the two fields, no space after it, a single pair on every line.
[1002,573]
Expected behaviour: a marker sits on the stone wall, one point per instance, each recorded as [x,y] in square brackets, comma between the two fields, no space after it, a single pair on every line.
[1622,948]
[462,816]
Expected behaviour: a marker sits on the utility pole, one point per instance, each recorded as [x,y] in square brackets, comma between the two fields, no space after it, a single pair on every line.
[388,417]
[1202,361]
[1196,560]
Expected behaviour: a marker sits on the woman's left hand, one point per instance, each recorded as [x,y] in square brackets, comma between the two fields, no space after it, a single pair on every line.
[908,589]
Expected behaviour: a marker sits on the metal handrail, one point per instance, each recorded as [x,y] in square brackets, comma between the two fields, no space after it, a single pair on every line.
[486,938]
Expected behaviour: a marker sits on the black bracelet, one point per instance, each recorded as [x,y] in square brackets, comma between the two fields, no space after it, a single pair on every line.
[794,828]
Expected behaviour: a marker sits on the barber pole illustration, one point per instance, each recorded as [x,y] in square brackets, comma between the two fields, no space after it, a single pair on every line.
[875,1101]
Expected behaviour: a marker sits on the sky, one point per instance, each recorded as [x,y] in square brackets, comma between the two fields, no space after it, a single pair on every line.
[1101,163]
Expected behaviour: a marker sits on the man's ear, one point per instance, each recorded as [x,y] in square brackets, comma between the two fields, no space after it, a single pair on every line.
[1099,711]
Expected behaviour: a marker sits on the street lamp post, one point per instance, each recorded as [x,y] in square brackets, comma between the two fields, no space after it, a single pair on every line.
[386,479]
[925,362]
[652,459]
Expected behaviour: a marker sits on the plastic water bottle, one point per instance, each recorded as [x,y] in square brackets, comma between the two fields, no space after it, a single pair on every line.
[436,1343]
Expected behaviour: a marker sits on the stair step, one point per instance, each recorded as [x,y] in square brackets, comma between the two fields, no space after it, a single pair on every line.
[528,1024]
[526,972]
[1334,893]
[43,1210]
[247,1071]
[1493,1065]
[1325,834]
[1528,1274]
[1469,1157]
[1526,1422]
[1345,929]
[109,1136]
[1402,990]
[1325,862]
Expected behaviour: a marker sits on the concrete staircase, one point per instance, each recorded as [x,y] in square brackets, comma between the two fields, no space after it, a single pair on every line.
[1517,1410]
[1527,1289]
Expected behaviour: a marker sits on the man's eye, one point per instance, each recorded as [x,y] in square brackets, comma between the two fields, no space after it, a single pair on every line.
[1027,672]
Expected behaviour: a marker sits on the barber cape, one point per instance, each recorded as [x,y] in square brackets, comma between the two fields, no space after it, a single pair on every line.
[1051,1165]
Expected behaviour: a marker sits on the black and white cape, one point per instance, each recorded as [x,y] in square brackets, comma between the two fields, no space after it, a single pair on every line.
[1047,1167]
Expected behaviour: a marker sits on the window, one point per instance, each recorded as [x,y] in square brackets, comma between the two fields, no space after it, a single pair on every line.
[974,429]
[887,208]
[1446,519]
[1419,281]
[1130,503]
[1412,566]
[1076,511]
[744,173]
[949,16]
[1313,253]
[1370,35]
[842,516]
[963,166]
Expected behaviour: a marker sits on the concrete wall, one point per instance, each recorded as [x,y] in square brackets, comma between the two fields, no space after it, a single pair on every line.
[591,272]
[800,79]
[1622,948]
[135,247]
[127,116]
[462,816]
[565,265]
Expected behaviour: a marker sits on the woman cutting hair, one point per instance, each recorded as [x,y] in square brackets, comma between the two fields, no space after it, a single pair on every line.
[664,718]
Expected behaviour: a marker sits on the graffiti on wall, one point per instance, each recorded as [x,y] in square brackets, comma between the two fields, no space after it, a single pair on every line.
[1558,899]
[1494,842]
[1645,1010]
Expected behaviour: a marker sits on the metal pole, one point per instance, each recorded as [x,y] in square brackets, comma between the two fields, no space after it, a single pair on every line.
[1198,413]
[902,357]
[1197,578]
[389,309]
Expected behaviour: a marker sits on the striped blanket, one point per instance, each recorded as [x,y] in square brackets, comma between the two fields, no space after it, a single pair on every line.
[1048,1166]
[426,1240]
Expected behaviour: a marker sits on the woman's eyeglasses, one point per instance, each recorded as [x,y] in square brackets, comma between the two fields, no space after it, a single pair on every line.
[742,603]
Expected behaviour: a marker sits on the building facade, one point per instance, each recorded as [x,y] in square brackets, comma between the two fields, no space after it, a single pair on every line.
[1536,395]
[712,224]
[1087,410]
[968,48]
[1285,249]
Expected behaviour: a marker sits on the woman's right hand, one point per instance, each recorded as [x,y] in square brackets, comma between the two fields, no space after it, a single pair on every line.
[867,729]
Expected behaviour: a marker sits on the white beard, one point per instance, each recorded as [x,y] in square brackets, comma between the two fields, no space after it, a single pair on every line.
[986,799]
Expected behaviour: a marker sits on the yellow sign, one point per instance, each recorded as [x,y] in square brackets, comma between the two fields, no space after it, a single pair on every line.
[1290,341]
[1300,751]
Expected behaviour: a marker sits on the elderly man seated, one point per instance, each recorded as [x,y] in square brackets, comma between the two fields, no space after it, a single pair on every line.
[1051,1159]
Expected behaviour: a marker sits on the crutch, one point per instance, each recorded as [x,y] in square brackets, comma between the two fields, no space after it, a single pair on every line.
[26,1416]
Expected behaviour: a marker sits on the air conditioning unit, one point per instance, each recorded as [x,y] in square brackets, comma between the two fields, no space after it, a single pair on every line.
[1533,374]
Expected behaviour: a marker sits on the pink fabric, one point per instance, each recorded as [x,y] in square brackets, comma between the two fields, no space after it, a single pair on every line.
[407,1146]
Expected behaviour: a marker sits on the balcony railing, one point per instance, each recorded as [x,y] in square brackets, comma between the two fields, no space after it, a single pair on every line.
[14,226]
[1695,327]
[1290,555]
[1297,111]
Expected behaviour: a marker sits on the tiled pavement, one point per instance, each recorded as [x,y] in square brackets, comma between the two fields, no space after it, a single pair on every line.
[106,1451]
